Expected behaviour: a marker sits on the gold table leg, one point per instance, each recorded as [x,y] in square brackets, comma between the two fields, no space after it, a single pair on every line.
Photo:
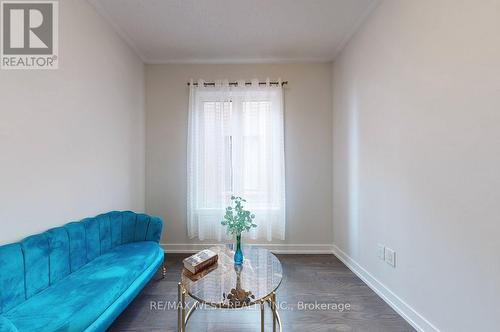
[262,307]
[179,291]
[163,271]
[183,296]
[181,311]
[273,307]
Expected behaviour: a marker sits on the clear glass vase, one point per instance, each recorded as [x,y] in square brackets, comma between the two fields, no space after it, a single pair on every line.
[238,254]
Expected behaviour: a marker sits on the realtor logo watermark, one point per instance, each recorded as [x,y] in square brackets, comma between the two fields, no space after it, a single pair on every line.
[29,35]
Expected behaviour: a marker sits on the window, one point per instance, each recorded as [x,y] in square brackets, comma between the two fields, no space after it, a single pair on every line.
[235,147]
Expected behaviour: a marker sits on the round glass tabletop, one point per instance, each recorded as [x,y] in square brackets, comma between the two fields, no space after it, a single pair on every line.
[231,286]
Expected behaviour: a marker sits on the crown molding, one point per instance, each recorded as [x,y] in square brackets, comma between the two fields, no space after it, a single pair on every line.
[355,27]
[238,61]
[119,31]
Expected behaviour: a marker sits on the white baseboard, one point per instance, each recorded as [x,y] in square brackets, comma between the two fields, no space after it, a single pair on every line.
[187,248]
[401,307]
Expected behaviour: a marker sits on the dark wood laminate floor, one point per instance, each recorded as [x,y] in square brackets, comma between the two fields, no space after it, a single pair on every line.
[307,278]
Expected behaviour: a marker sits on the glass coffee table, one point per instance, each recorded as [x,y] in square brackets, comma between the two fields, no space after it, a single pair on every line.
[229,286]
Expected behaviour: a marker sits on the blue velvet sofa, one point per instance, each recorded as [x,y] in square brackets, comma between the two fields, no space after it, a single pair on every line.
[78,277]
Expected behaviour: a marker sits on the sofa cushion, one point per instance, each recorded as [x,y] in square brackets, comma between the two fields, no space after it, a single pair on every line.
[75,301]
[154,229]
[128,226]
[58,254]
[92,238]
[141,227]
[77,245]
[36,263]
[113,311]
[116,228]
[11,276]
[104,232]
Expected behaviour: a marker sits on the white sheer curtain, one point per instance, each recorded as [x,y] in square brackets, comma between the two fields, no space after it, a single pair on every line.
[236,147]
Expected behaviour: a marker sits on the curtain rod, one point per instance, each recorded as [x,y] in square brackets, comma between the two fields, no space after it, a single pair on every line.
[236,83]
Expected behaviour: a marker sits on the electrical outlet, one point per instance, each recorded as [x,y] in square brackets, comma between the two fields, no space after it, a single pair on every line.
[381,251]
[390,257]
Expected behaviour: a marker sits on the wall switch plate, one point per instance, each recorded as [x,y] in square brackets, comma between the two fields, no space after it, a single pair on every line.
[390,257]
[381,251]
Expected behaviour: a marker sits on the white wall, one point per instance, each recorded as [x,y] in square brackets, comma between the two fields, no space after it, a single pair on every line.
[308,128]
[72,139]
[417,160]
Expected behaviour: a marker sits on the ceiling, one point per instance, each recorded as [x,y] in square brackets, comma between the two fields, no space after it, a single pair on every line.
[235,31]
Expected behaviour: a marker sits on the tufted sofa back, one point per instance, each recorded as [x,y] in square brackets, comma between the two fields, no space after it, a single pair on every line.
[38,261]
